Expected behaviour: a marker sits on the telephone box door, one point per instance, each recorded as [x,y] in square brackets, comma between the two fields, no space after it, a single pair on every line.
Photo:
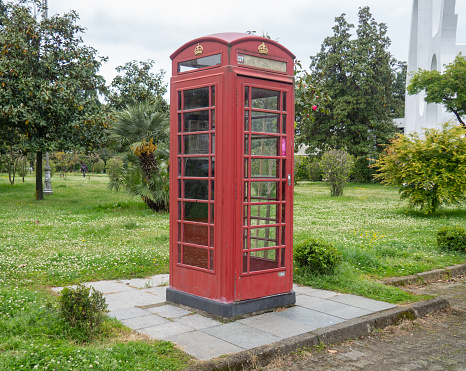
[265,114]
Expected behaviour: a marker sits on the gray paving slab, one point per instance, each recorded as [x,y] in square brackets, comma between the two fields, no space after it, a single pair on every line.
[167,330]
[276,325]
[169,311]
[364,303]
[305,290]
[309,317]
[106,287]
[160,279]
[131,298]
[157,290]
[212,347]
[197,321]
[139,283]
[126,313]
[149,320]
[333,308]
[241,335]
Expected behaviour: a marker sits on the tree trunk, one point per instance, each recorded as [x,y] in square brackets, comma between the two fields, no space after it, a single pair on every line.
[39,185]
[459,118]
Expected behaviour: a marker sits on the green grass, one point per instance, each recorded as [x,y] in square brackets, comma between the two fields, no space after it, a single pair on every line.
[80,233]
[377,234]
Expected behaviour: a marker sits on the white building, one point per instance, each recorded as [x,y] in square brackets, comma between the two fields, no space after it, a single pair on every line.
[432,45]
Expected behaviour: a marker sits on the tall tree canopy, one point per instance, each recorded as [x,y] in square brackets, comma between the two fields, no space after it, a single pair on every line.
[357,72]
[135,84]
[447,88]
[49,84]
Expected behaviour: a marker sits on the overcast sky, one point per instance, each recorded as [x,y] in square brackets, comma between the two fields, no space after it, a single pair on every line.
[154,29]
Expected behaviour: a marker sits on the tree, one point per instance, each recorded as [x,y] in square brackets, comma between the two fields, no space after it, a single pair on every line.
[145,132]
[447,88]
[428,168]
[135,84]
[336,166]
[49,85]
[358,75]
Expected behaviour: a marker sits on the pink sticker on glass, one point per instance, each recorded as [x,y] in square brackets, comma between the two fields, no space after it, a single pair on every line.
[283,147]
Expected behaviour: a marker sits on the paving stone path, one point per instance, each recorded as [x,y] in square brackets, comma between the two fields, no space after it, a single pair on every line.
[435,342]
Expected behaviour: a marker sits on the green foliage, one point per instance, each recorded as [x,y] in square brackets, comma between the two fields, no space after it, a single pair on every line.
[428,168]
[301,171]
[99,166]
[358,73]
[83,308]
[314,170]
[336,166]
[135,84]
[452,238]
[114,168]
[319,256]
[362,172]
[447,88]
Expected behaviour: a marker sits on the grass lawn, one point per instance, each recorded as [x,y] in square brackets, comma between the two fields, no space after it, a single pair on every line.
[84,232]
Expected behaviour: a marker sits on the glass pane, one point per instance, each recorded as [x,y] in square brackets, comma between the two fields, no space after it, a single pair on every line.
[179,253]
[179,123]
[179,188]
[211,265]
[262,260]
[213,144]
[283,213]
[179,210]
[264,237]
[196,167]
[196,144]
[284,124]
[264,214]
[213,119]
[283,235]
[265,99]
[195,256]
[264,168]
[196,98]
[212,169]
[284,169]
[193,64]
[179,144]
[245,215]
[180,166]
[196,189]
[246,121]
[179,232]
[284,101]
[196,211]
[245,167]
[212,190]
[264,145]
[284,147]
[245,239]
[196,234]
[212,102]
[265,122]
[245,262]
[211,236]
[246,96]
[282,258]
[245,191]
[246,145]
[179,100]
[264,191]
[212,213]
[196,121]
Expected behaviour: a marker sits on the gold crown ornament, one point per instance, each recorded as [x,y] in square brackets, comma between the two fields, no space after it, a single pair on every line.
[263,49]
[198,49]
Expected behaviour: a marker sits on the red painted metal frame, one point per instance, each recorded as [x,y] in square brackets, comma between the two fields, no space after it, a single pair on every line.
[226,283]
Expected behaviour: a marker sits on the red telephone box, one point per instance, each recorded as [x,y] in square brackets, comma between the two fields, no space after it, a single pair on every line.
[231,170]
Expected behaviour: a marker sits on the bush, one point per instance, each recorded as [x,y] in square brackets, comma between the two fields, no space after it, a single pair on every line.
[429,168]
[301,168]
[362,172]
[114,168]
[319,256]
[99,166]
[314,170]
[336,166]
[452,238]
[82,307]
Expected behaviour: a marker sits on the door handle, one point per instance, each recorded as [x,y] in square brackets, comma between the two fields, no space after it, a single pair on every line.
[289,179]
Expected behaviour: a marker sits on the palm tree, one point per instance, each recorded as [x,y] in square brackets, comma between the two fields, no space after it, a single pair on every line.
[146,133]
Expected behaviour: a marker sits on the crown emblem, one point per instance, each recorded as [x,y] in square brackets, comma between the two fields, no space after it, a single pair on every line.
[198,49]
[263,49]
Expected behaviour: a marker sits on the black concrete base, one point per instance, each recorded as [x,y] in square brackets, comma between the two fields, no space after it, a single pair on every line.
[230,309]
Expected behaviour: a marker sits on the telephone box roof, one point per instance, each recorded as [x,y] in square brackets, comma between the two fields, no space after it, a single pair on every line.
[229,39]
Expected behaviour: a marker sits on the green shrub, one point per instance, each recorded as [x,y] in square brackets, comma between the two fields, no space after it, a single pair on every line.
[452,238]
[320,256]
[114,168]
[301,168]
[82,307]
[314,170]
[362,172]
[99,166]
[336,166]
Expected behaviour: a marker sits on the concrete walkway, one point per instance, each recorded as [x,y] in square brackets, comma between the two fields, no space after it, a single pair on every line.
[140,304]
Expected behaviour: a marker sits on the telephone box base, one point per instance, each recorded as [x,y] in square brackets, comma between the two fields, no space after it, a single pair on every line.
[231,309]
